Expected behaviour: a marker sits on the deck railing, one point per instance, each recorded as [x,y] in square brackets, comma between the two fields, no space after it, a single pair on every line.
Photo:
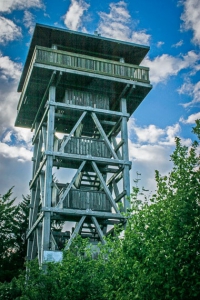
[91,64]
[87,146]
[82,199]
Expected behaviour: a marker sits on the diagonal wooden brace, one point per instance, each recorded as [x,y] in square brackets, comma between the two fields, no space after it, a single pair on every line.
[76,231]
[97,123]
[71,183]
[100,233]
[72,132]
[106,189]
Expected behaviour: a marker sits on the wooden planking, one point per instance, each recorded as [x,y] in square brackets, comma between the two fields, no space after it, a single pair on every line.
[81,199]
[85,98]
[87,146]
[91,64]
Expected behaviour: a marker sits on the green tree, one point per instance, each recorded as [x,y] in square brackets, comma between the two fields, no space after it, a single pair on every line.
[162,239]
[13,225]
[158,257]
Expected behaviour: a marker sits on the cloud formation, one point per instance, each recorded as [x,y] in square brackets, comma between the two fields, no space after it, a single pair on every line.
[73,17]
[9,31]
[29,21]
[178,44]
[150,148]
[164,66]
[191,18]
[117,24]
[152,134]
[149,134]
[9,69]
[8,6]
[191,119]
[193,90]
[10,72]
[21,153]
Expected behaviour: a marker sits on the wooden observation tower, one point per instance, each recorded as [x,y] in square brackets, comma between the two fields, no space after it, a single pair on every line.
[77,94]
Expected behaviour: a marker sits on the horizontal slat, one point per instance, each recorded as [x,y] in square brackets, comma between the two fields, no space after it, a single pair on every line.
[83,199]
[87,146]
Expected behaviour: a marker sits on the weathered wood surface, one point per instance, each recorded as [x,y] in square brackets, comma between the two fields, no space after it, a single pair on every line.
[91,64]
[82,199]
[84,98]
[85,146]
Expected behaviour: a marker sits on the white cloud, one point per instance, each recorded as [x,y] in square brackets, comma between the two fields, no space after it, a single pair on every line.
[23,135]
[179,44]
[8,109]
[150,149]
[164,66]
[152,134]
[29,21]
[159,44]
[9,76]
[18,136]
[140,37]
[7,137]
[191,18]
[73,17]
[117,24]
[191,119]
[193,90]
[9,30]
[171,132]
[149,134]
[15,145]
[10,5]
[147,153]
[15,152]
[148,158]
[9,69]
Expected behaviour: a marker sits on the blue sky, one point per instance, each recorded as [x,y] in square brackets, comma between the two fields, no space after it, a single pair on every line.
[171,29]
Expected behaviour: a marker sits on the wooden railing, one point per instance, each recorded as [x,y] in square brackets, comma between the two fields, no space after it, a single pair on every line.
[82,199]
[87,146]
[91,64]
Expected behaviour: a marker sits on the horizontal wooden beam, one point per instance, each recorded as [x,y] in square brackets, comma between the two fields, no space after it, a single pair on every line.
[65,106]
[99,160]
[79,212]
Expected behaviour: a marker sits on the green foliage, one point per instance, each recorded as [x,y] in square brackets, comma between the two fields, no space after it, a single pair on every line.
[13,225]
[196,129]
[157,258]
[162,239]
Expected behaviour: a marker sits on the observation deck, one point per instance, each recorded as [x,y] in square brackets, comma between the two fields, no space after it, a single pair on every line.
[94,65]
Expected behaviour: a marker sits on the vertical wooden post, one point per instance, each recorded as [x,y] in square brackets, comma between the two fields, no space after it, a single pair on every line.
[30,239]
[46,228]
[125,155]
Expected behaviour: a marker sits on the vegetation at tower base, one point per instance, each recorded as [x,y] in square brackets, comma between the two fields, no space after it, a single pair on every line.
[158,257]
[13,226]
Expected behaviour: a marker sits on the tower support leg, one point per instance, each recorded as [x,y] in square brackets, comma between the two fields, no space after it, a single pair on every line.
[125,154]
[46,228]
